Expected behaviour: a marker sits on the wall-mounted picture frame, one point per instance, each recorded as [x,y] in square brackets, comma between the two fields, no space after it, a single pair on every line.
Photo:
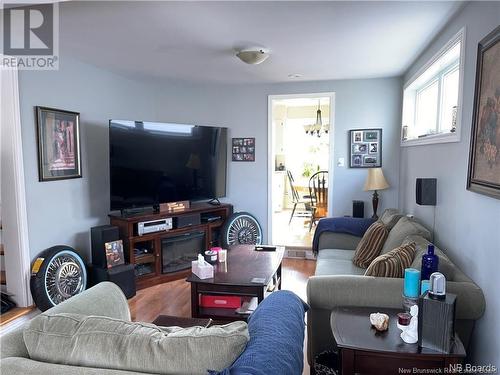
[243,149]
[365,148]
[484,154]
[58,141]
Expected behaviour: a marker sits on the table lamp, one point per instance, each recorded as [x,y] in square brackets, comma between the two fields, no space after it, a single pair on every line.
[375,181]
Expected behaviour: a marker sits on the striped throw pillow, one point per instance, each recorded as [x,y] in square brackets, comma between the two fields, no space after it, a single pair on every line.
[370,245]
[393,263]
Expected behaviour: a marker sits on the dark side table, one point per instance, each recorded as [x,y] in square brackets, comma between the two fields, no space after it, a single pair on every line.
[363,350]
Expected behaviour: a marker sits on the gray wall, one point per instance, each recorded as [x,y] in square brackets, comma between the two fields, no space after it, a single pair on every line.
[359,104]
[467,223]
[61,212]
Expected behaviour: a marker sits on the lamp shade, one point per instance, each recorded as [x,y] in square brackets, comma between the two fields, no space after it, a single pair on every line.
[375,180]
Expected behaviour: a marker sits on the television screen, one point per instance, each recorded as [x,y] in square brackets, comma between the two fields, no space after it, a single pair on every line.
[153,163]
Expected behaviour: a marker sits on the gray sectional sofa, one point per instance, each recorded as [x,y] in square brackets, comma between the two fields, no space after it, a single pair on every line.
[91,334]
[338,282]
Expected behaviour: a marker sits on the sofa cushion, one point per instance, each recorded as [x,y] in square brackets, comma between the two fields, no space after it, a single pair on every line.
[92,341]
[26,366]
[393,263]
[390,217]
[370,245]
[334,240]
[327,267]
[403,228]
[336,254]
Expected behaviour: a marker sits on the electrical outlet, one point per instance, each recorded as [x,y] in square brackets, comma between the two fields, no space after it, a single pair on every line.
[341,162]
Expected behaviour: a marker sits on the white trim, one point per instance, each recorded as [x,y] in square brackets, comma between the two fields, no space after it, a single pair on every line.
[14,212]
[270,151]
[458,36]
[442,137]
[432,139]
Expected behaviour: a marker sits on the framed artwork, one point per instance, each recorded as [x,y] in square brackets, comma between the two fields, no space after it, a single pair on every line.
[243,149]
[484,156]
[114,253]
[58,139]
[365,148]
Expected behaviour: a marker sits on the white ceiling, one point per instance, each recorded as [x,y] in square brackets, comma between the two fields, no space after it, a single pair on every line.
[195,41]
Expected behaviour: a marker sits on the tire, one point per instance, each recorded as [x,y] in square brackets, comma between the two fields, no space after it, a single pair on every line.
[60,276]
[241,228]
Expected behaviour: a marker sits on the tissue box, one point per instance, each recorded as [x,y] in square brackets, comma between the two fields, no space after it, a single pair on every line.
[203,271]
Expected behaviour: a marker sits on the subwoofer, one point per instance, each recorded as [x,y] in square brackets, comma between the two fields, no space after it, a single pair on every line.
[123,276]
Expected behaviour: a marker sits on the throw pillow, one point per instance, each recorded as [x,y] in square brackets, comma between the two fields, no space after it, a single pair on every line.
[370,245]
[97,341]
[393,263]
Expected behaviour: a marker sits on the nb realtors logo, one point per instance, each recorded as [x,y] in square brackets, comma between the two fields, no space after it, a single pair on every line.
[30,36]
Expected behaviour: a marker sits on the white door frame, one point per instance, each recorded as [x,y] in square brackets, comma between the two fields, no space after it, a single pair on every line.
[13,193]
[271,151]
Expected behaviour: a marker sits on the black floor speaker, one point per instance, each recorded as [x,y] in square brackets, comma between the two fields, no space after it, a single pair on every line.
[99,236]
[123,276]
[358,209]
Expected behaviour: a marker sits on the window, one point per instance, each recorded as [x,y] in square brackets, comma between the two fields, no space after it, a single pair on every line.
[431,99]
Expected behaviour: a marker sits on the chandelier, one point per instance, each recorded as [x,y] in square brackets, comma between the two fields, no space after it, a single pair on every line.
[318,128]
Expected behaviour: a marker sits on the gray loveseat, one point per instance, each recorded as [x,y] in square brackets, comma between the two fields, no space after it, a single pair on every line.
[109,344]
[338,282]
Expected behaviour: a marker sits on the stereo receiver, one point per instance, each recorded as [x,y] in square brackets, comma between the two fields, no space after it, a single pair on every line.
[145,227]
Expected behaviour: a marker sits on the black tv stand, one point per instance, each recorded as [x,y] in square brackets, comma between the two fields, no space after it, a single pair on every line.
[214,202]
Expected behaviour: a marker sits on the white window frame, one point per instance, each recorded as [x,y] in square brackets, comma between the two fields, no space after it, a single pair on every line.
[439,137]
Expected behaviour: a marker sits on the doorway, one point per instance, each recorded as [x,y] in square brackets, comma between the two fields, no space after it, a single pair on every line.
[300,166]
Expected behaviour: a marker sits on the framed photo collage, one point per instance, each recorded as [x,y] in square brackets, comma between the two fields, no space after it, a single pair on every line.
[365,149]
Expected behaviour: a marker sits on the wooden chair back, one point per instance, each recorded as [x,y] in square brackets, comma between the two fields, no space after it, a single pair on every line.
[318,191]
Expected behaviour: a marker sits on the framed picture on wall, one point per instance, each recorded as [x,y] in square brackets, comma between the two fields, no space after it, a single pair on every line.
[365,148]
[484,157]
[243,149]
[58,140]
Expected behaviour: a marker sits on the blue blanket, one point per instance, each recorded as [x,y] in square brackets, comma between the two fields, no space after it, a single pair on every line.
[350,225]
[276,343]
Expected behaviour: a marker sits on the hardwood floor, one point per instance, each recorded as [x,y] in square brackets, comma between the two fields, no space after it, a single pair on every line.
[14,314]
[174,298]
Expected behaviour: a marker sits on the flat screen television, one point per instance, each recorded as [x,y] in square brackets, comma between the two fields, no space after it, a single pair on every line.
[152,163]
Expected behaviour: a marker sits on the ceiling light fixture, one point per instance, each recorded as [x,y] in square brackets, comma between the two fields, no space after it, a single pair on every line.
[318,128]
[253,56]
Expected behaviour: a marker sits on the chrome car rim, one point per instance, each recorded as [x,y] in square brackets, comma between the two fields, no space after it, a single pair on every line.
[65,277]
[244,230]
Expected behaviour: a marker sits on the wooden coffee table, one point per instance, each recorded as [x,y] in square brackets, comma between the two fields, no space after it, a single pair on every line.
[363,350]
[234,277]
